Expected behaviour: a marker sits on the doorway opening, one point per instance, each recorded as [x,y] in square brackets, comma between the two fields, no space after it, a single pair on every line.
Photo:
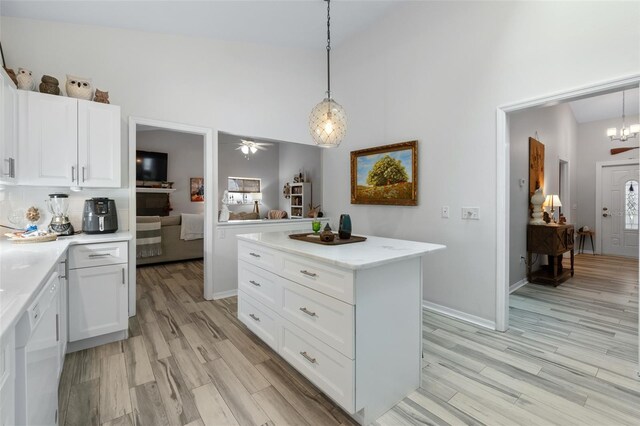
[571,171]
[163,200]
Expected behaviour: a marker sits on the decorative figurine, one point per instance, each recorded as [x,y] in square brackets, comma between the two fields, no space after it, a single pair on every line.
[79,88]
[327,236]
[224,210]
[536,200]
[102,97]
[12,75]
[50,85]
[25,80]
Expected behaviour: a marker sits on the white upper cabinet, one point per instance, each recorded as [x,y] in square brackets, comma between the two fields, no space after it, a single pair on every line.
[48,139]
[68,142]
[9,132]
[99,144]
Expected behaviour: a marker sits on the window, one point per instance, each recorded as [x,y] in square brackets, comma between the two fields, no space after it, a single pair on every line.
[631,205]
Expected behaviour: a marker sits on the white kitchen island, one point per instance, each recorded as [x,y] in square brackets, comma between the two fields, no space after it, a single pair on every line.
[348,317]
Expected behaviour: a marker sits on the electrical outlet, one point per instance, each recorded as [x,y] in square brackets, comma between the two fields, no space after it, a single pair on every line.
[471,213]
[445,212]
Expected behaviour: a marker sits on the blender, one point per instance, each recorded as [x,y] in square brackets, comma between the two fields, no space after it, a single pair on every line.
[58,205]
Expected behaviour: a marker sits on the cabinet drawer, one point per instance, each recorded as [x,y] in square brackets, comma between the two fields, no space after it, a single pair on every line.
[326,318]
[88,255]
[258,318]
[259,284]
[328,369]
[259,256]
[332,281]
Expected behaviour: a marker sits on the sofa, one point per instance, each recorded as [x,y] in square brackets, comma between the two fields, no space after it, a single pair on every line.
[173,248]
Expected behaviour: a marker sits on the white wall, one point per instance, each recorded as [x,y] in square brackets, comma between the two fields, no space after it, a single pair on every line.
[435,72]
[263,164]
[594,146]
[296,158]
[558,130]
[185,160]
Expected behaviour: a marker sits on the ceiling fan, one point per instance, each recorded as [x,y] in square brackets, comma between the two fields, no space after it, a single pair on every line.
[252,147]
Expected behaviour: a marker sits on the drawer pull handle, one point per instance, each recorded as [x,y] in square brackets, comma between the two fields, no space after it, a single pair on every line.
[255,283]
[99,255]
[308,312]
[255,318]
[309,274]
[307,357]
[254,254]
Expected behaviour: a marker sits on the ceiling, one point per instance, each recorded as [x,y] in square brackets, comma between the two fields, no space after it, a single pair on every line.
[607,106]
[300,23]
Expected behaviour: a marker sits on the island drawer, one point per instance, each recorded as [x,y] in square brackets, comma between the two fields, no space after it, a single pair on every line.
[259,284]
[259,319]
[100,254]
[260,256]
[328,319]
[332,372]
[324,278]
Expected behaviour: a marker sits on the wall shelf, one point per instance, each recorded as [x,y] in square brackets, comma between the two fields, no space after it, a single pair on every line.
[156,190]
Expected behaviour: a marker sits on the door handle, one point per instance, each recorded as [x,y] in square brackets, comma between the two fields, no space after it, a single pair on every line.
[255,283]
[73,174]
[123,276]
[605,215]
[83,173]
[57,327]
[254,254]
[307,357]
[255,318]
[308,312]
[309,274]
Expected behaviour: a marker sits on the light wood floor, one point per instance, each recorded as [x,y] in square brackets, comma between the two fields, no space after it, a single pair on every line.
[570,357]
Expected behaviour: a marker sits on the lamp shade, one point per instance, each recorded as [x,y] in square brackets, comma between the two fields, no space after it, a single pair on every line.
[634,128]
[552,201]
[612,131]
[328,123]
[256,196]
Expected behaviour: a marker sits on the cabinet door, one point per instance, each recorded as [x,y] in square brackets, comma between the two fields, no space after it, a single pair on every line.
[48,139]
[9,136]
[97,301]
[99,144]
[7,378]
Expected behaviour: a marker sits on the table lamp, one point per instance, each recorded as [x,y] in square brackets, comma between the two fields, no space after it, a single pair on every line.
[257,197]
[552,201]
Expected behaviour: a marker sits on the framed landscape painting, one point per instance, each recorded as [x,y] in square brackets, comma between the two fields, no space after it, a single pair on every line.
[385,175]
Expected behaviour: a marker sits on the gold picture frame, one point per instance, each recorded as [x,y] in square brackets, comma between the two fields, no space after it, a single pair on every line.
[385,175]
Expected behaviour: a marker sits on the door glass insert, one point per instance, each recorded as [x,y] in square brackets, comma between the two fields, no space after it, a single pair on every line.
[631,205]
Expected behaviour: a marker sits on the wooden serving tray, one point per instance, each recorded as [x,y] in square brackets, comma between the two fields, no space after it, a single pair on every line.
[310,237]
[18,239]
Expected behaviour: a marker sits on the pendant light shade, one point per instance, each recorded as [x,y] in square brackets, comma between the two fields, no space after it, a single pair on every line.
[328,121]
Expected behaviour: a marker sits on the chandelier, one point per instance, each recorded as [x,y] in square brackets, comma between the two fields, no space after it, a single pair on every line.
[625,132]
[328,121]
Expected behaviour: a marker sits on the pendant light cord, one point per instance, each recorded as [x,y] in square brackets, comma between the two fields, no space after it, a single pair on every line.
[328,49]
[623,118]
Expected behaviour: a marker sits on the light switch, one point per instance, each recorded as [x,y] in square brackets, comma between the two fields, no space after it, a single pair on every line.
[445,212]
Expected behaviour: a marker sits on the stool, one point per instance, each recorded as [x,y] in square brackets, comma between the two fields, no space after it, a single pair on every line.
[583,236]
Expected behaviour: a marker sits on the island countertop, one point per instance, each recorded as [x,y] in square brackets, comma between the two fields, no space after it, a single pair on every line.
[25,267]
[375,251]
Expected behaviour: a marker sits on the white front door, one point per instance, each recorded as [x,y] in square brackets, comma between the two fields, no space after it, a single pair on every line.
[619,210]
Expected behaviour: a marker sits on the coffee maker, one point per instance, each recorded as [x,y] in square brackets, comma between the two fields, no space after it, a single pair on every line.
[58,206]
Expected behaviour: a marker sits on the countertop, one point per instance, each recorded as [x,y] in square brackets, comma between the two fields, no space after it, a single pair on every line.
[254,222]
[25,267]
[375,251]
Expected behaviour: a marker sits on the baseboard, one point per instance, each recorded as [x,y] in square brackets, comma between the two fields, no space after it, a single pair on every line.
[515,286]
[92,342]
[585,252]
[482,322]
[225,294]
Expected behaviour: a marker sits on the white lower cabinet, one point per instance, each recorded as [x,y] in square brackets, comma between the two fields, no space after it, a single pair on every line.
[7,379]
[98,303]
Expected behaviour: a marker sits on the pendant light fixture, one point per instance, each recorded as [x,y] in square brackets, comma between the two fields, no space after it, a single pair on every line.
[625,132]
[327,121]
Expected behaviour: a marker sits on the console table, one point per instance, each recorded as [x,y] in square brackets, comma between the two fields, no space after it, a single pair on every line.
[554,241]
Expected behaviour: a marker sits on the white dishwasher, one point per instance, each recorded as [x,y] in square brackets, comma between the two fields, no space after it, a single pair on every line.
[37,359]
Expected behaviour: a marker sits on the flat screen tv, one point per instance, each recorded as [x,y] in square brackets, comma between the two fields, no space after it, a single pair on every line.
[151,166]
